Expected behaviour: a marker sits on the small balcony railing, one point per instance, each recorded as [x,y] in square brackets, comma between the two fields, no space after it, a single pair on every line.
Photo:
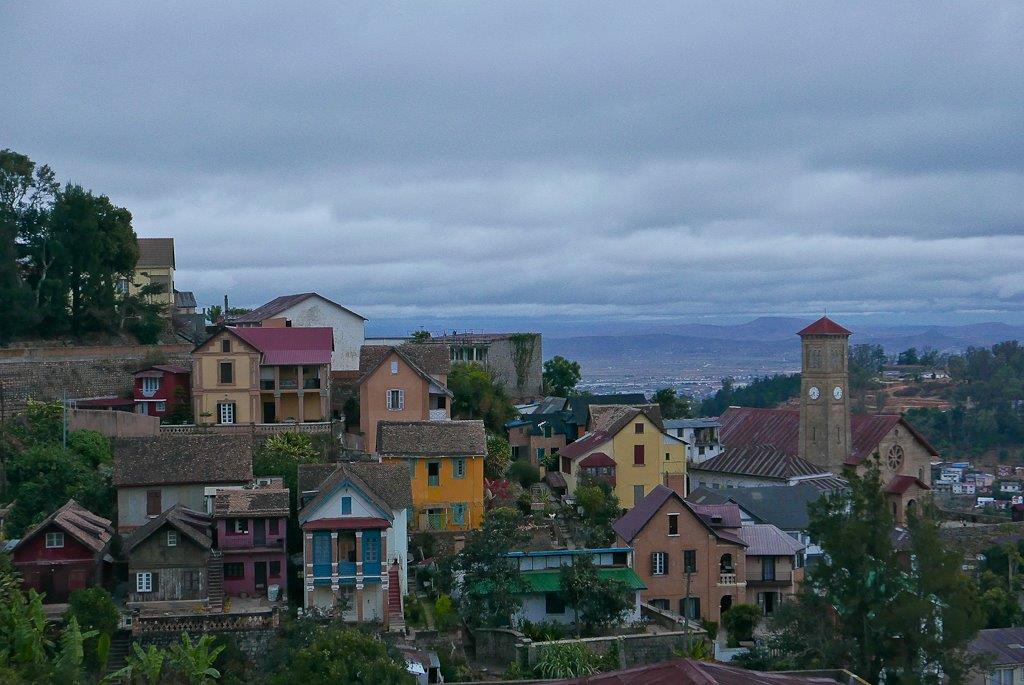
[267,384]
[776,578]
[289,384]
[727,579]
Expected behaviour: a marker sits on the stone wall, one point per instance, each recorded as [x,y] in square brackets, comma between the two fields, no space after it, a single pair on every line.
[51,373]
[633,650]
[253,633]
[499,645]
[114,424]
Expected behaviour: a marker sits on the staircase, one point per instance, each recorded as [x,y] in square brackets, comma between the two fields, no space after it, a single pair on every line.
[120,643]
[215,581]
[396,616]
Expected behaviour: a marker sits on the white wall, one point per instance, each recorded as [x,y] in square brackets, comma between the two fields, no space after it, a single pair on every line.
[131,502]
[533,610]
[348,329]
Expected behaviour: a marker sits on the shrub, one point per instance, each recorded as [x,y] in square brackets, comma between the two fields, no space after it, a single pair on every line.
[740,621]
[523,472]
[566,660]
[543,631]
[444,613]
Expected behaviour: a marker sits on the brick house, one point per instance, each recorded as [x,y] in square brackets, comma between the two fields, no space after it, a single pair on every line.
[159,390]
[402,383]
[155,473]
[67,551]
[169,558]
[534,436]
[251,533]
[775,565]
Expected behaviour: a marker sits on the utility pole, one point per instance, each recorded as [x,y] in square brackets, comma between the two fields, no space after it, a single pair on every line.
[64,419]
[686,608]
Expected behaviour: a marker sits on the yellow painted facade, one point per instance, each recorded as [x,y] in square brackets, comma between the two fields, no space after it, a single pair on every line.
[164,275]
[438,501]
[254,393]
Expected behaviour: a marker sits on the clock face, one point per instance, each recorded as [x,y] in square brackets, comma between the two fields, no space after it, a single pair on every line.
[814,393]
[837,393]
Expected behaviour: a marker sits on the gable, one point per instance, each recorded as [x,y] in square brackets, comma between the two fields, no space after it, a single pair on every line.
[316,309]
[330,505]
[238,345]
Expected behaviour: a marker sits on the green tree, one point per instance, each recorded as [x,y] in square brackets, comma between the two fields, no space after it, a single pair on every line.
[672,406]
[600,508]
[333,654]
[597,602]
[524,473]
[739,623]
[419,336]
[95,611]
[768,391]
[477,396]
[904,620]
[561,375]
[908,357]
[281,455]
[498,457]
[492,584]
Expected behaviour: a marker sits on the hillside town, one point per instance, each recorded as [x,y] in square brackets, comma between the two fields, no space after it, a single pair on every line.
[452,496]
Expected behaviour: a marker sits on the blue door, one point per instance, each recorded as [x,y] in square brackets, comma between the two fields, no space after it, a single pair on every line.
[371,553]
[321,554]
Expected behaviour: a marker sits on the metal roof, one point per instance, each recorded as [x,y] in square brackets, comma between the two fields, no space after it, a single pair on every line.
[759,461]
[155,252]
[711,422]
[290,345]
[550,580]
[766,540]
[1005,646]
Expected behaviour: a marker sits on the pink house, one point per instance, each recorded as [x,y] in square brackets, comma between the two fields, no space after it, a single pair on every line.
[251,525]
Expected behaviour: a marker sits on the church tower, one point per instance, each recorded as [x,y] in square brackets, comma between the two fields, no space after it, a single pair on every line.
[824,395]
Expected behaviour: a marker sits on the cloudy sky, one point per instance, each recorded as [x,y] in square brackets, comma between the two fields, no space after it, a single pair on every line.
[522,162]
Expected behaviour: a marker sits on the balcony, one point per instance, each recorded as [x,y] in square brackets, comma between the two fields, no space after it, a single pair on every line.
[311,384]
[729,579]
[267,384]
[777,579]
[289,384]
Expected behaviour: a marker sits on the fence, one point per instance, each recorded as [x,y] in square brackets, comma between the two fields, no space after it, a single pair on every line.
[312,427]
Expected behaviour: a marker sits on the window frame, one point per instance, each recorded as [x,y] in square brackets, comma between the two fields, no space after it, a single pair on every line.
[673,522]
[639,455]
[143,581]
[226,409]
[688,565]
[221,365]
[225,345]
[459,468]
[159,497]
[232,566]
[346,505]
[240,523]
[150,385]
[58,539]
[172,538]
[659,563]
[638,428]
[435,480]
[399,395]
[394,368]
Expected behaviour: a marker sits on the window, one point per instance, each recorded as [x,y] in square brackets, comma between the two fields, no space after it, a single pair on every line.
[638,455]
[659,604]
[547,431]
[799,561]
[396,400]
[54,540]
[346,505]
[226,412]
[433,473]
[412,469]
[275,526]
[394,368]
[690,607]
[227,372]
[161,406]
[767,568]
[460,468]
[144,582]
[153,507]
[241,526]
[689,561]
[673,524]
[459,514]
[150,386]
[172,538]
[638,494]
[553,603]
[1000,676]
[540,454]
[667,456]
[638,428]
[275,569]
[191,581]
[225,344]
[566,465]
[659,563]
[234,571]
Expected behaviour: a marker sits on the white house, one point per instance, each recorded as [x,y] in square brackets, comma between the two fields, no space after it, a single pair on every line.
[701,436]
[355,539]
[310,310]
[541,570]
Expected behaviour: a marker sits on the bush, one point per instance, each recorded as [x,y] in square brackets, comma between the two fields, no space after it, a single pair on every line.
[543,631]
[566,660]
[95,610]
[414,614]
[524,473]
[444,613]
[739,623]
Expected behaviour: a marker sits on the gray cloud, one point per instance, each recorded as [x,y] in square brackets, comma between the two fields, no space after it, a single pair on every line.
[548,160]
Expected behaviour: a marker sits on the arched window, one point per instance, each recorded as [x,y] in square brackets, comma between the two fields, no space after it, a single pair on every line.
[725,564]
[895,457]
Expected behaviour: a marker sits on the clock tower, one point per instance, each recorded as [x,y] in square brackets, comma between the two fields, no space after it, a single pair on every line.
[824,395]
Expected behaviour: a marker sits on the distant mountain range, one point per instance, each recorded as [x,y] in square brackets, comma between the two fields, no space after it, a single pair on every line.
[762,346]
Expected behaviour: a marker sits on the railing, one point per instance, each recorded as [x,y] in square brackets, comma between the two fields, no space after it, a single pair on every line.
[244,542]
[727,579]
[322,570]
[777,578]
[204,623]
[346,568]
[256,428]
[288,384]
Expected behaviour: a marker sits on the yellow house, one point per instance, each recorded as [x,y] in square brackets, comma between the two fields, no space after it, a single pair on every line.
[263,375]
[446,469]
[628,448]
[155,265]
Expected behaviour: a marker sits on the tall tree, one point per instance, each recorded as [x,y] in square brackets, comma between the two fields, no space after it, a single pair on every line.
[673,406]
[491,580]
[596,602]
[561,375]
[478,396]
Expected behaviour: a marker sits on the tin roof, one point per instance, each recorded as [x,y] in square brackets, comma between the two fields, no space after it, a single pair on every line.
[759,461]
[766,540]
[290,345]
[1005,646]
[825,326]
[549,580]
[281,304]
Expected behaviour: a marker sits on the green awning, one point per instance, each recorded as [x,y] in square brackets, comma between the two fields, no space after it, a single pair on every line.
[550,580]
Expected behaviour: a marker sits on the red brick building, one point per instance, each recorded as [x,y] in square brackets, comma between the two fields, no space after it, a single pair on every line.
[64,553]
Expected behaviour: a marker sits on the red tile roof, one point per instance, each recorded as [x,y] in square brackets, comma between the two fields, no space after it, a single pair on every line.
[825,326]
[780,428]
[290,345]
[585,444]
[900,484]
[759,461]
[92,530]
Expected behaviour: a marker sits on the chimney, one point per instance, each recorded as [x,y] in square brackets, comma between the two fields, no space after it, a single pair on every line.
[225,306]
[676,482]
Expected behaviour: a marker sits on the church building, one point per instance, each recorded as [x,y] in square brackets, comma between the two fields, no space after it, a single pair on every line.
[825,433]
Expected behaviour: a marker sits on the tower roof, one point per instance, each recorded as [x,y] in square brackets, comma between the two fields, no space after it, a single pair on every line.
[824,326]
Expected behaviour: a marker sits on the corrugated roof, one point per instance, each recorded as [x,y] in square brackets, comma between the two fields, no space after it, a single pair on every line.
[782,505]
[280,304]
[825,326]
[290,345]
[690,672]
[587,442]
[724,515]
[780,428]
[180,459]
[766,540]
[595,459]
[428,438]
[759,461]
[1005,646]
[155,252]
[550,580]
[93,531]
